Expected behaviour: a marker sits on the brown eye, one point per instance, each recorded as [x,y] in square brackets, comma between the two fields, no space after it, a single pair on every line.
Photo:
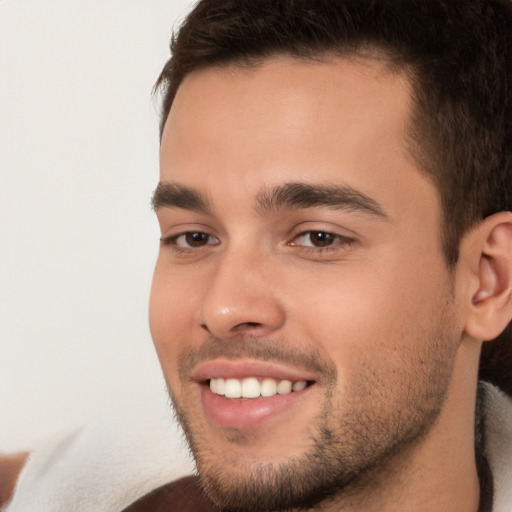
[196,239]
[316,239]
[321,238]
[191,240]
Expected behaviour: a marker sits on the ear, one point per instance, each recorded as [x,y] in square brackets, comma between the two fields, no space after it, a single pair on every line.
[490,246]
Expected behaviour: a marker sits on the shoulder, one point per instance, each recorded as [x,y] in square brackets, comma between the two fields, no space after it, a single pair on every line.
[184,495]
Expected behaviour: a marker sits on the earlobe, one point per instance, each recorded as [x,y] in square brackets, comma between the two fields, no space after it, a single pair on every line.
[491,304]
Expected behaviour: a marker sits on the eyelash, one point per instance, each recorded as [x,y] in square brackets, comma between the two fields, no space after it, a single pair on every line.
[338,242]
[173,241]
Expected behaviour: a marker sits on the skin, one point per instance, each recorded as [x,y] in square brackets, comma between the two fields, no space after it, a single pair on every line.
[10,469]
[393,329]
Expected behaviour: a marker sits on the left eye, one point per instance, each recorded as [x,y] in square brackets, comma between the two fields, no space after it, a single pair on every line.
[192,240]
[318,239]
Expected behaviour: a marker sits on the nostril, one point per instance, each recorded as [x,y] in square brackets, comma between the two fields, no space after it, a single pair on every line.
[247,326]
[238,329]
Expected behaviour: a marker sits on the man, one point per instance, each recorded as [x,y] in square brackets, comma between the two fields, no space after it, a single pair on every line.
[336,245]
[334,207]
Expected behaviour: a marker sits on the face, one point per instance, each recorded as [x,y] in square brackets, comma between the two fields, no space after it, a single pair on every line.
[300,300]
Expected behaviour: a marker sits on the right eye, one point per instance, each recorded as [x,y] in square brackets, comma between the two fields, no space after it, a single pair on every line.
[190,240]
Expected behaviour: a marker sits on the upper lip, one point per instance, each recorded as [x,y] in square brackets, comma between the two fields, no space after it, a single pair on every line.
[242,368]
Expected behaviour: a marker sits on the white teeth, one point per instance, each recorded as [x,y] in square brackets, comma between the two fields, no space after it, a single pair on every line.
[218,386]
[284,387]
[268,387]
[233,388]
[251,387]
[221,387]
[299,385]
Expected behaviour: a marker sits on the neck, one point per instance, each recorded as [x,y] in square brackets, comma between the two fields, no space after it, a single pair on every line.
[482,465]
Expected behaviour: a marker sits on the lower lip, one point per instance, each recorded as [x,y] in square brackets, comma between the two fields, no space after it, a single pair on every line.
[248,413]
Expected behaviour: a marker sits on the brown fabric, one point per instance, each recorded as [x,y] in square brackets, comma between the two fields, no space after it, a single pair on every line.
[183,495]
[10,468]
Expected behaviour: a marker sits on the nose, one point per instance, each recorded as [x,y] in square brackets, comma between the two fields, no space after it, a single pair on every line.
[241,297]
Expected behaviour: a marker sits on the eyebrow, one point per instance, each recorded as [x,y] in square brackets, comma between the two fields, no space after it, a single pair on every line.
[178,196]
[292,196]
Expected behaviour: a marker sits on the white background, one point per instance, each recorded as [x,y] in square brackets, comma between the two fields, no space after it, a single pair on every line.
[78,239]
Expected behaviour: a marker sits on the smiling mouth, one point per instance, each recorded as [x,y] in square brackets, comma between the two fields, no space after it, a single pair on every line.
[246,394]
[253,387]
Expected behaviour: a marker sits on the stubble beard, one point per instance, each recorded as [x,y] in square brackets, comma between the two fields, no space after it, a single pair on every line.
[359,431]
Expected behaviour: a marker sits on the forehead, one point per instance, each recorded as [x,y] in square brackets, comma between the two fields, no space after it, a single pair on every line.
[302,94]
[342,119]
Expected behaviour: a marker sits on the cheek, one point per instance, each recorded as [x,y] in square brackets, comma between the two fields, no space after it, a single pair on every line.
[371,309]
[171,315]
